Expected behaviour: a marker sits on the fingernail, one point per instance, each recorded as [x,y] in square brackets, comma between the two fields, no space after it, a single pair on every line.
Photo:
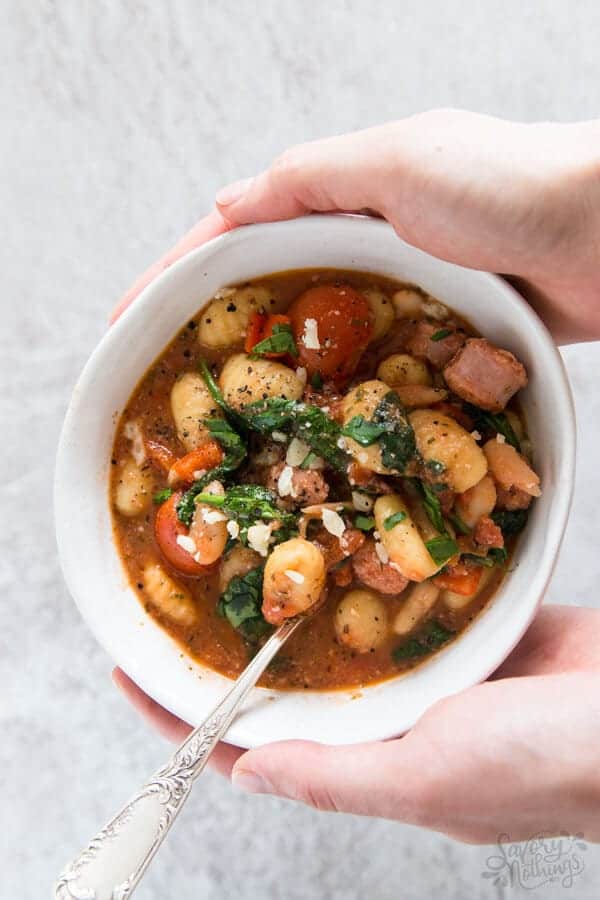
[250,782]
[232,192]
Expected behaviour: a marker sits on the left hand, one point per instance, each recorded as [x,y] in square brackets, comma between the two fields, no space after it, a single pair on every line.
[516,754]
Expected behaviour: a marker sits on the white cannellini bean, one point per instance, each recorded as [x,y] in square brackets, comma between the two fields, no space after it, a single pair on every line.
[133,491]
[171,598]
[191,403]
[244,380]
[361,620]
[441,438]
[416,606]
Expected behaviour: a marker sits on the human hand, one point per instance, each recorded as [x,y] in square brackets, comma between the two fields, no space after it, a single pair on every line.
[517,754]
[519,199]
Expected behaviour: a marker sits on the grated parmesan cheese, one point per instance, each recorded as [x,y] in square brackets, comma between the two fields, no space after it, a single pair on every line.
[211,516]
[186,543]
[381,553]
[301,374]
[259,536]
[133,433]
[500,438]
[279,436]
[333,522]
[285,485]
[296,452]
[233,529]
[476,435]
[296,577]
[310,337]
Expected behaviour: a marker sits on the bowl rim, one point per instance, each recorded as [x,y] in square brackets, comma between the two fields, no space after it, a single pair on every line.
[134,315]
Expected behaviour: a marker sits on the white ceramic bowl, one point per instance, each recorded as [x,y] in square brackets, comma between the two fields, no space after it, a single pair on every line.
[89,559]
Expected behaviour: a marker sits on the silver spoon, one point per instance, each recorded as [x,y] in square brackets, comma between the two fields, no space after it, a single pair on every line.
[112,864]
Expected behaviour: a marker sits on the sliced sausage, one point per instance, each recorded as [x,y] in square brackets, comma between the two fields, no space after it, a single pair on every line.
[335,549]
[372,572]
[488,534]
[485,374]
[438,352]
[308,487]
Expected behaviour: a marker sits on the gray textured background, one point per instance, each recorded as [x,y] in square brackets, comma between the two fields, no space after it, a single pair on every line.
[119,120]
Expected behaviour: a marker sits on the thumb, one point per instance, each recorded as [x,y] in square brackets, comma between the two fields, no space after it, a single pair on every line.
[349,173]
[375,779]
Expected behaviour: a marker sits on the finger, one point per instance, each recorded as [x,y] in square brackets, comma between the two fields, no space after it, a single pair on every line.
[558,640]
[378,779]
[206,229]
[169,726]
[347,173]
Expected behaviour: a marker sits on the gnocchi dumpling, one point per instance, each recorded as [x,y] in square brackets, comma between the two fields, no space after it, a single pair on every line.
[408,303]
[401,369]
[441,439]
[363,401]
[225,320]
[361,620]
[134,488]
[382,310]
[293,581]
[403,542]
[244,380]
[169,597]
[191,404]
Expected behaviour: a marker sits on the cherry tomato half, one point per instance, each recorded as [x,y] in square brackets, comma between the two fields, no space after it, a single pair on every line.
[167,528]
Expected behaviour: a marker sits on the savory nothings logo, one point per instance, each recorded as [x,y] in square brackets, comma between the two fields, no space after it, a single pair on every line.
[540,860]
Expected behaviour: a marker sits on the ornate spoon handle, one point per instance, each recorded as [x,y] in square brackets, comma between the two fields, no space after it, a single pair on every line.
[113,863]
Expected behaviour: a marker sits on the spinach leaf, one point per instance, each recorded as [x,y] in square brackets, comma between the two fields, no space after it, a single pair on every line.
[398,446]
[394,519]
[281,340]
[431,637]
[363,431]
[442,548]
[460,526]
[316,381]
[240,604]
[161,496]
[231,442]
[215,391]
[510,521]
[499,555]
[321,434]
[248,504]
[308,460]
[432,507]
[435,467]
[487,562]
[271,414]
[492,422]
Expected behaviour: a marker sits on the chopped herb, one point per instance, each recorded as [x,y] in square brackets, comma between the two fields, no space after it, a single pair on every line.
[240,604]
[510,521]
[316,381]
[365,523]
[398,446]
[441,334]
[161,496]
[458,523]
[281,340]
[309,460]
[441,549]
[363,431]
[394,519]
[431,637]
[499,555]
[496,423]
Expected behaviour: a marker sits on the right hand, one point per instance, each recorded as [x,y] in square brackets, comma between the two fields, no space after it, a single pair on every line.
[501,196]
